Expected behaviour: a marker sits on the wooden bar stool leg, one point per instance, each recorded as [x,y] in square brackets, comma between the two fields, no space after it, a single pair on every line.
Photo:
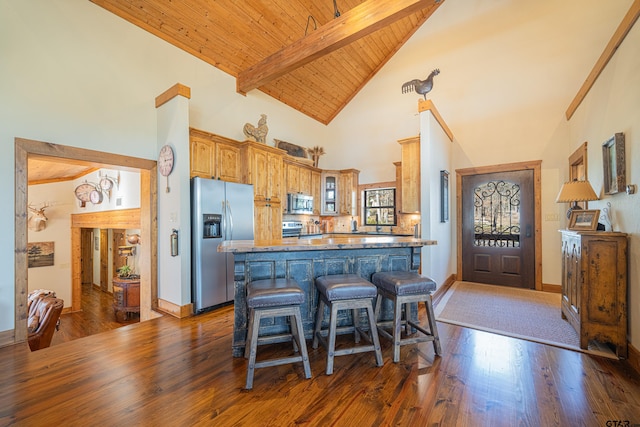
[253,349]
[295,336]
[301,344]
[331,344]
[247,344]
[373,331]
[397,329]
[432,325]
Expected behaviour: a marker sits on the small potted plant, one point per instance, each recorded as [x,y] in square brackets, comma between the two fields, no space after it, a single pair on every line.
[124,271]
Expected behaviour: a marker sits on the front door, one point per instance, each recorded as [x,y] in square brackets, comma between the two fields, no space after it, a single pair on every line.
[498,245]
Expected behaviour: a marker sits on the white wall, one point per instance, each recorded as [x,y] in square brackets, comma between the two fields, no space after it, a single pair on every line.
[613,105]
[438,262]
[74,74]
[57,277]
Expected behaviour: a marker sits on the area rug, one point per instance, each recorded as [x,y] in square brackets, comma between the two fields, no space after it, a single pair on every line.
[519,313]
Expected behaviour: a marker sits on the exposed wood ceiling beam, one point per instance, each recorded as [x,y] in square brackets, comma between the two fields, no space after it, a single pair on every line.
[616,40]
[354,24]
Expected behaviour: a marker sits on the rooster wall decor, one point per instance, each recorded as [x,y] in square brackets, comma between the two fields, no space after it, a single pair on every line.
[257,133]
[421,86]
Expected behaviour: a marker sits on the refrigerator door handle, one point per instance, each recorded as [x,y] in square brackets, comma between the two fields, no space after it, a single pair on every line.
[230,220]
[223,231]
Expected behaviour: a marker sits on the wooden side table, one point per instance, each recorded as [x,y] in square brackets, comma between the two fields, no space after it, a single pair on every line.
[126,297]
[594,286]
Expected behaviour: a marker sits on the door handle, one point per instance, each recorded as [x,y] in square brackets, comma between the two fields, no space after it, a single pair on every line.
[527,232]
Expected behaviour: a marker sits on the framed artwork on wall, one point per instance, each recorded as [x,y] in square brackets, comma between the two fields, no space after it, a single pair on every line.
[613,163]
[444,196]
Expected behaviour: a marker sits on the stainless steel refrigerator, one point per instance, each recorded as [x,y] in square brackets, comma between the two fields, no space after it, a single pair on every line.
[220,211]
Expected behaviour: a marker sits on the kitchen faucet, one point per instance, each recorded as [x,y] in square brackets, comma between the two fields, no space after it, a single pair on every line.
[378,228]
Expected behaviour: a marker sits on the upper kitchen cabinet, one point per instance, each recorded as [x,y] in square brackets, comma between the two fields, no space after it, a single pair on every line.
[410,172]
[213,156]
[298,176]
[316,191]
[330,182]
[348,190]
[264,169]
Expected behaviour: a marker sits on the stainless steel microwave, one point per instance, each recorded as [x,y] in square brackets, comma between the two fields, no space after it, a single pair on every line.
[299,204]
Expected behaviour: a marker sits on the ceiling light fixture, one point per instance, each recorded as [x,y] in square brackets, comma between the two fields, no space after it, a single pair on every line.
[336,12]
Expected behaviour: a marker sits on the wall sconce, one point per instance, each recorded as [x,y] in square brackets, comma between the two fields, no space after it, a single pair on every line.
[574,192]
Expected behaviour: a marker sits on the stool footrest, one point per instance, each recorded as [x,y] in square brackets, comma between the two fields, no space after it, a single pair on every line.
[279,361]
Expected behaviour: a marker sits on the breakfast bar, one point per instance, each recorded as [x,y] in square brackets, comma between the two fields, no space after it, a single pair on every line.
[306,259]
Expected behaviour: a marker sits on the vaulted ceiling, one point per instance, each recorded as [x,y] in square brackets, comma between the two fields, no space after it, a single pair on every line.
[313,55]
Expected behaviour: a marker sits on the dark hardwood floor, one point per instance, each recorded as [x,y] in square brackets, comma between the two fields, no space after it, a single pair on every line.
[175,372]
[96,316]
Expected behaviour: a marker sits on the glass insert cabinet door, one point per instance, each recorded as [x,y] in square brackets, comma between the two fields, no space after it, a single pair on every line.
[330,194]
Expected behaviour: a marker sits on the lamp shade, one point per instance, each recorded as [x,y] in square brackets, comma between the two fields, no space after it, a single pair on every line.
[576,191]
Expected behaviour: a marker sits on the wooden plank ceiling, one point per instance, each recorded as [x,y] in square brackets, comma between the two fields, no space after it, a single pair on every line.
[263,43]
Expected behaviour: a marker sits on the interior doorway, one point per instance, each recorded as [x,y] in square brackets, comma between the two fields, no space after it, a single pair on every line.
[500,250]
[25,148]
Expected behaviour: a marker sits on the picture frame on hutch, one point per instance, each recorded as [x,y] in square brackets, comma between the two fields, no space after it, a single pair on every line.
[584,220]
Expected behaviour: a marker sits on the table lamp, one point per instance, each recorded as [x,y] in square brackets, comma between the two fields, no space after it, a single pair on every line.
[574,192]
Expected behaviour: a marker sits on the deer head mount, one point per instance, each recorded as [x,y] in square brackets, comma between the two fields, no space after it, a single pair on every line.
[38,220]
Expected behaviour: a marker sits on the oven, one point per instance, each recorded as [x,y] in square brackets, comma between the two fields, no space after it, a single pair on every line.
[291,229]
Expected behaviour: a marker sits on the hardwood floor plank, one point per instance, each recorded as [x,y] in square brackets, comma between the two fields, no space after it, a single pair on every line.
[179,372]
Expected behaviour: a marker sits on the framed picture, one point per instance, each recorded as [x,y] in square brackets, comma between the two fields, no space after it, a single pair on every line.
[40,254]
[613,162]
[584,220]
[444,196]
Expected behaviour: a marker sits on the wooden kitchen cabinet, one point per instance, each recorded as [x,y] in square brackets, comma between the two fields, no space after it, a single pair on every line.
[316,189]
[264,169]
[297,177]
[594,286]
[348,192]
[267,220]
[410,171]
[213,156]
[330,193]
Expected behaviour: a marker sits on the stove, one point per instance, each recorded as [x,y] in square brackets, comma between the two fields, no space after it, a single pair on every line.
[291,228]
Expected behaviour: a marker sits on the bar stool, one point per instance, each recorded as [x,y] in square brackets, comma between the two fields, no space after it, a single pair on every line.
[345,292]
[274,298]
[404,287]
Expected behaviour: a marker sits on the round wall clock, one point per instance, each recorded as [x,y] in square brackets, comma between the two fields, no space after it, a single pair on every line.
[96,197]
[83,192]
[165,162]
[106,184]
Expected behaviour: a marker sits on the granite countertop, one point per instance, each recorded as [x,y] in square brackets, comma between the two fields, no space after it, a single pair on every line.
[322,243]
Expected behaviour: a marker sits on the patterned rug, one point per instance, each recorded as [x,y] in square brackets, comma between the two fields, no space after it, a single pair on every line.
[519,313]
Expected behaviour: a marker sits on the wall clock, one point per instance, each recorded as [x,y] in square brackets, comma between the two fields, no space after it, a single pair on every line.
[83,193]
[165,162]
[106,185]
[96,197]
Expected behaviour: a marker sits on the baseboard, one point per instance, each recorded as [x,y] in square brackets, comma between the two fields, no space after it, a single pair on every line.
[633,357]
[174,309]
[7,338]
[67,310]
[548,287]
[442,289]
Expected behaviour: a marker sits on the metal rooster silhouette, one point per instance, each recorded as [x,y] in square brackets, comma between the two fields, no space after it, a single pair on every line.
[421,86]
